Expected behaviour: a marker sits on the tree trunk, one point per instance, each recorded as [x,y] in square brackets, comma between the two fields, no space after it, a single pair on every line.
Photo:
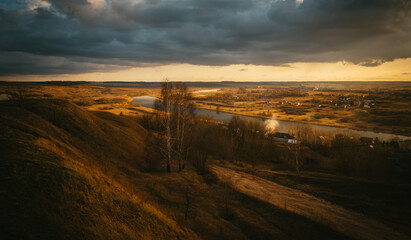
[168,163]
[178,136]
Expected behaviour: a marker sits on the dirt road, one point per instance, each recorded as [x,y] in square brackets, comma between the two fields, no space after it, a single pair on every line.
[350,223]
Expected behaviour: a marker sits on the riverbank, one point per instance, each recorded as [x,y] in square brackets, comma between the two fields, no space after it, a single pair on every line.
[283,126]
[117,101]
[353,124]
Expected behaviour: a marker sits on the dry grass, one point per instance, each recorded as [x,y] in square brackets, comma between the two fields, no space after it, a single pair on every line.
[385,201]
[219,212]
[72,174]
[114,100]
[390,114]
[255,101]
[59,176]
[350,222]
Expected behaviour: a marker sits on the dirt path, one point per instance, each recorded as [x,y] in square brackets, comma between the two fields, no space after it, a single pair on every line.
[345,221]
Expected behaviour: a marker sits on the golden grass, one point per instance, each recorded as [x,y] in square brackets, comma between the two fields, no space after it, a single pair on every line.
[69,173]
[60,179]
[380,118]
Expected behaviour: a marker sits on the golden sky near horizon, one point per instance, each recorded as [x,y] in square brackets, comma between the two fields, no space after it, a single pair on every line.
[398,70]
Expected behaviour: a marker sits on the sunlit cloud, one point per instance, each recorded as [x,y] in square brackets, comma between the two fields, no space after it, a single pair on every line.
[34,4]
[49,37]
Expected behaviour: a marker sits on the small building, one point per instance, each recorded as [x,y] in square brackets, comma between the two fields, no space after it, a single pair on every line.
[283,135]
[292,141]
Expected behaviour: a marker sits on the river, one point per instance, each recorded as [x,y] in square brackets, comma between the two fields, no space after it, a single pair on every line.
[283,126]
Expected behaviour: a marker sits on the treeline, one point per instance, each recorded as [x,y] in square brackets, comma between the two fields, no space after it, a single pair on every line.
[241,140]
[352,155]
[179,137]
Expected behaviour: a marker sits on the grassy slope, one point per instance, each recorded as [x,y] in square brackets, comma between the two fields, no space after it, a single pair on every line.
[68,173]
[57,168]
[219,212]
[383,200]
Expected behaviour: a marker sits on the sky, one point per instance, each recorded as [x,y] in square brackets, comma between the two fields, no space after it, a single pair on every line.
[205,40]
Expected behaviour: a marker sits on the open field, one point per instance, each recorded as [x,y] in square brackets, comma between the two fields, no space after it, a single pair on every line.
[378,107]
[376,110]
[92,98]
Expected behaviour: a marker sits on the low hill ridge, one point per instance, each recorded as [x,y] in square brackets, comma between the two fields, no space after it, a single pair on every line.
[57,166]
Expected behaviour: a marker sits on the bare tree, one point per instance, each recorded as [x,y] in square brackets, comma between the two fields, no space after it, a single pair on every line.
[177,111]
[246,138]
[303,132]
[183,111]
[236,129]
[295,149]
[201,140]
[164,105]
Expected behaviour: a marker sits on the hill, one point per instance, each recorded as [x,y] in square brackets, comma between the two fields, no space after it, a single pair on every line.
[58,163]
[69,173]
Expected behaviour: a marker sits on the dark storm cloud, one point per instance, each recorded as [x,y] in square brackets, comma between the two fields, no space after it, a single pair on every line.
[97,35]
[16,63]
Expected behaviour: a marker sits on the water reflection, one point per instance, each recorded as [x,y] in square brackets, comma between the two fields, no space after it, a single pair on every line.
[283,126]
